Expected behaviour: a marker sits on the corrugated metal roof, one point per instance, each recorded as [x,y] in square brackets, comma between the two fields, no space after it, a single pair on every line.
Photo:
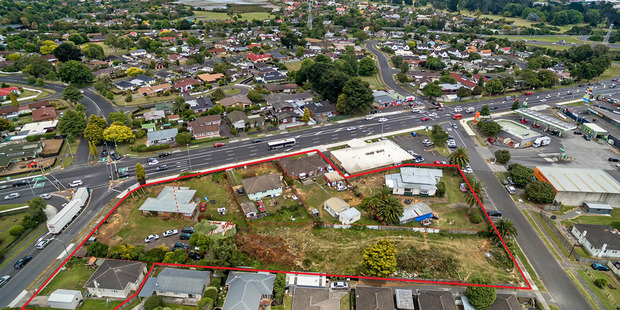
[580,180]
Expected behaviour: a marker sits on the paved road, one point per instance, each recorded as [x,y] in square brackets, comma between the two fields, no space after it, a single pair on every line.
[386,71]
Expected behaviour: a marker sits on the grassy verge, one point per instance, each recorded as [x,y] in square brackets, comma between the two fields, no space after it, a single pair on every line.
[556,39]
[610,73]
[551,234]
[232,91]
[72,278]
[516,250]
[374,81]
[609,301]
[345,302]
[597,219]
[542,235]
[23,244]
[288,302]
[582,290]
[10,206]
[208,15]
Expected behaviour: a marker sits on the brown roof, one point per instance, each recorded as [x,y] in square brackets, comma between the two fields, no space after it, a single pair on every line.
[262,183]
[205,124]
[40,104]
[295,166]
[210,78]
[43,114]
[234,100]
[8,110]
[374,298]
[280,87]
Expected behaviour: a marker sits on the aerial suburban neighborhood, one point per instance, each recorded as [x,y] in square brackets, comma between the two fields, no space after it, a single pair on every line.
[310,155]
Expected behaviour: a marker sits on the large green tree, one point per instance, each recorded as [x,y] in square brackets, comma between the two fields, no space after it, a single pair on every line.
[506,228]
[438,135]
[183,138]
[217,94]
[379,259]
[540,191]
[93,51]
[75,72]
[140,174]
[481,297]
[119,117]
[460,157]
[432,91]
[489,128]
[38,67]
[72,94]
[67,51]
[367,66]
[502,156]
[520,174]
[358,96]
[94,129]
[72,123]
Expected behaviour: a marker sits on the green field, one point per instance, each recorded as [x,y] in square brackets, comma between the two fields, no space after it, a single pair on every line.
[293,66]
[72,278]
[556,39]
[610,303]
[224,16]
[597,220]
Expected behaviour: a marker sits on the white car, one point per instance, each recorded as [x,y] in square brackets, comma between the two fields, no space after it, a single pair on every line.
[76,183]
[12,196]
[152,161]
[351,128]
[511,190]
[458,109]
[171,232]
[151,238]
[370,116]
[416,110]
[339,285]
[432,114]
[46,196]
[383,120]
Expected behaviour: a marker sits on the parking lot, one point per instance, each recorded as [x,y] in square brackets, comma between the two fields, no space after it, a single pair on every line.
[407,142]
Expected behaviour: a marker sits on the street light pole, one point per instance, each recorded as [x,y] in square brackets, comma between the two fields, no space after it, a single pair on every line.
[189,157]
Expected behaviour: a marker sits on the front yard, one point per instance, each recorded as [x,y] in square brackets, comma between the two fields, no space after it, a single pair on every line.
[72,278]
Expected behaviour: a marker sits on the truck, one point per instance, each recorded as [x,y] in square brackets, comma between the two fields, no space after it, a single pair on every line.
[542,141]
[470,110]
[71,210]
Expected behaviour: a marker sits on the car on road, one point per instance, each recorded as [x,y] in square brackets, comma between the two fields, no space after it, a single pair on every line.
[416,110]
[528,93]
[598,266]
[511,190]
[21,183]
[425,118]
[22,262]
[339,285]
[169,233]
[123,174]
[369,117]
[458,109]
[258,140]
[152,161]
[104,153]
[76,183]
[491,140]
[613,160]
[115,156]
[494,107]
[524,121]
[455,125]
[535,125]
[161,168]
[432,114]
[195,256]
[351,128]
[151,238]
[165,154]
[46,196]
[614,80]
[569,93]
[4,280]
[43,243]
[383,120]
[218,144]
[12,196]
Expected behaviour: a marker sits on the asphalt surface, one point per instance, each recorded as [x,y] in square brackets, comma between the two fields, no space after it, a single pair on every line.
[97,178]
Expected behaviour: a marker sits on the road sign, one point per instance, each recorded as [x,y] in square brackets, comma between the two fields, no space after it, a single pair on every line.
[39,179]
[123,169]
[103,159]
[39,184]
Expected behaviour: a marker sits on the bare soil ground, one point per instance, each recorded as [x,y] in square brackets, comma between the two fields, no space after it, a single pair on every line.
[51,147]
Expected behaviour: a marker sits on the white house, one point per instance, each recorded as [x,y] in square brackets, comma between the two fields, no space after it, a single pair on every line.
[349,216]
[600,241]
[414,181]
[65,299]
[116,278]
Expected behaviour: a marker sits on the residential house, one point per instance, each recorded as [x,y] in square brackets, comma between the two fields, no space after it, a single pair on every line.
[236,100]
[404,299]
[282,106]
[44,114]
[116,278]
[287,117]
[248,291]
[333,178]
[436,300]
[149,127]
[142,80]
[263,186]
[165,75]
[7,90]
[322,109]
[172,201]
[303,167]
[199,105]
[184,85]
[274,88]
[123,85]
[417,212]
[341,210]
[506,302]
[258,57]
[249,209]
[486,53]
[238,120]
[306,298]
[39,104]
[138,53]
[374,298]
[269,77]
[65,299]
[599,241]
[414,181]
[464,81]
[210,78]
[505,50]
[280,57]
[206,126]
[305,97]
[161,136]
[154,115]
[177,283]
[146,91]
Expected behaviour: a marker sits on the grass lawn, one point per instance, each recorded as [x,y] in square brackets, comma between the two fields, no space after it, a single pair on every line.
[613,220]
[556,39]
[215,189]
[144,100]
[208,15]
[551,47]
[7,222]
[453,181]
[232,91]
[72,278]
[374,81]
[96,304]
[345,302]
[9,206]
[23,244]
[239,174]
[551,234]
[108,50]
[293,65]
[609,303]
[610,73]
[288,302]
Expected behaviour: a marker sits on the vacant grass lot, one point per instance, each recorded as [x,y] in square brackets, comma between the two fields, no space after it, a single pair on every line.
[72,278]
[556,39]
[7,222]
[224,16]
[374,81]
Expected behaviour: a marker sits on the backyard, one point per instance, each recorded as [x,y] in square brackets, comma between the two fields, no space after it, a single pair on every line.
[612,220]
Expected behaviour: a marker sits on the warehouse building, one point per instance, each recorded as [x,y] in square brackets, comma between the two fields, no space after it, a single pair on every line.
[574,186]
[361,156]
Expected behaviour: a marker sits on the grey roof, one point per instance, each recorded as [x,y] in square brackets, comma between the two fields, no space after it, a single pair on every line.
[262,183]
[281,105]
[601,234]
[321,107]
[414,210]
[313,299]
[62,295]
[123,84]
[337,204]
[115,274]
[598,205]
[182,281]
[414,177]
[436,300]
[404,299]
[295,166]
[148,288]
[162,134]
[546,119]
[374,298]
[506,302]
[236,116]
[144,78]
[171,199]
[277,97]
[246,289]
[580,180]
[248,207]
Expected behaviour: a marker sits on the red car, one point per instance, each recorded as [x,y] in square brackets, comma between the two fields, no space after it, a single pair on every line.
[528,93]
[615,80]
[491,140]
[218,144]
[440,109]
[437,162]
[524,121]
[261,206]
[535,125]
[426,118]
[203,207]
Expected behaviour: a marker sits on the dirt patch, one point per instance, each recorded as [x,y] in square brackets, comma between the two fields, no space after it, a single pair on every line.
[268,249]
[51,147]
[370,183]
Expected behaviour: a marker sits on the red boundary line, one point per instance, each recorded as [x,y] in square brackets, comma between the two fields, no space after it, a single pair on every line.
[528,287]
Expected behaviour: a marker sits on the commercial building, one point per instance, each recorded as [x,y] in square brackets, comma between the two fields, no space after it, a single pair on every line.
[515,134]
[574,186]
[363,156]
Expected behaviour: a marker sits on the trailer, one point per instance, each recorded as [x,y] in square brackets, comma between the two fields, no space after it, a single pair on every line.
[62,219]
[541,141]
[82,194]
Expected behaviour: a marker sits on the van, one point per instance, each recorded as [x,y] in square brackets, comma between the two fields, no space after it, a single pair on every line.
[457,116]
[470,110]
[188,230]
[185,236]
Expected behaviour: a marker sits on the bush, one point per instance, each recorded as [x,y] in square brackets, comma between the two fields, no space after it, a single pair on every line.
[520,174]
[153,302]
[600,283]
[481,297]
[489,128]
[206,303]
[502,156]
[540,191]
[476,216]
[441,189]
[144,148]
[16,230]
[210,292]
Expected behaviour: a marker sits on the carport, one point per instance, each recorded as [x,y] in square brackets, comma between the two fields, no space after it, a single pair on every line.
[548,120]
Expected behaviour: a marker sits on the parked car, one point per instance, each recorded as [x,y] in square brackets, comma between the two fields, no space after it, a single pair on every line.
[4,280]
[22,262]
[170,232]
[46,196]
[203,207]
[339,285]
[491,140]
[218,144]
[76,183]
[576,132]
[601,267]
[419,160]
[195,256]
[43,243]
[151,238]
[427,142]
[261,207]
[535,125]
[587,137]
[494,213]
[161,168]
[524,121]
[554,132]
[511,190]
[165,154]
[510,180]
[258,140]
[12,196]
[179,245]
[185,236]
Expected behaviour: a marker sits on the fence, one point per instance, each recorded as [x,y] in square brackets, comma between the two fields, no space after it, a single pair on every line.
[552,208]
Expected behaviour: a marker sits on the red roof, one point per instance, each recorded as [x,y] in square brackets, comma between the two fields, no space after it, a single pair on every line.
[185,82]
[463,80]
[43,114]
[256,57]
[5,91]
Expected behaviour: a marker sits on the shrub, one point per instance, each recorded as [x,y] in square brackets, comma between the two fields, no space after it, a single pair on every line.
[600,283]
[144,148]
[16,230]
[210,292]
[205,304]
[540,191]
[216,282]
[153,302]
[502,156]
[441,189]
[475,216]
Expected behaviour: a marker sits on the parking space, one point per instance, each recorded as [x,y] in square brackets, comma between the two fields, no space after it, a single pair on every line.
[414,144]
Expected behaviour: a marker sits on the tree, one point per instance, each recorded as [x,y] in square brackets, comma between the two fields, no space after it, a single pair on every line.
[476,188]
[485,110]
[5,124]
[460,157]
[140,174]
[183,138]
[433,63]
[97,249]
[193,41]
[600,283]
[489,128]
[67,51]
[16,230]
[502,156]
[37,66]
[446,78]
[495,86]
[77,38]
[179,104]
[367,66]
[463,92]
[36,204]
[93,51]
[432,91]
[133,71]
[94,129]
[358,95]
[520,174]
[75,72]
[153,302]
[118,132]
[217,94]
[119,117]
[438,135]
[72,123]
[72,94]
[540,191]
[47,47]
[379,259]
[255,96]
[389,210]
[306,117]
[481,297]
[441,189]
[13,98]
[515,105]
[506,228]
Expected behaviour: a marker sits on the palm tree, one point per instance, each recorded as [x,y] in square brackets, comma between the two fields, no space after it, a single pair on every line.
[459,157]
[390,210]
[506,228]
[476,188]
